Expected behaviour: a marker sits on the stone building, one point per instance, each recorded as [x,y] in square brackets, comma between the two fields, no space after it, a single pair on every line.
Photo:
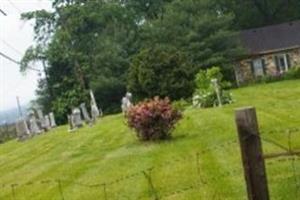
[270,50]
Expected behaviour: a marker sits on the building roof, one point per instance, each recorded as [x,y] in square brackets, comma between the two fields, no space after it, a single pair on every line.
[271,38]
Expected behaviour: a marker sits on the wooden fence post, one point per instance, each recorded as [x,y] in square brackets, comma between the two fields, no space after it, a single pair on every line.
[252,154]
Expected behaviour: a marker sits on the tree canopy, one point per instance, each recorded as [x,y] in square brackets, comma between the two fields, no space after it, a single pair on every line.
[108,45]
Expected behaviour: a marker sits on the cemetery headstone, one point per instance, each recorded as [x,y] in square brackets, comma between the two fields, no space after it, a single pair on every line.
[47,123]
[85,113]
[71,123]
[33,125]
[95,112]
[52,120]
[22,130]
[41,119]
[76,118]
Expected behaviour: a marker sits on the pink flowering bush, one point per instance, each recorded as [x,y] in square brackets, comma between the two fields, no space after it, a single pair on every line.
[153,119]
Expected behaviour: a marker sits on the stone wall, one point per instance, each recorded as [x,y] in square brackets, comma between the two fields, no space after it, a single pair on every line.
[244,73]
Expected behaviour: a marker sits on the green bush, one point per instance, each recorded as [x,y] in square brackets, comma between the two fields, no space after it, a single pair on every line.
[205,94]
[161,71]
[180,104]
[293,73]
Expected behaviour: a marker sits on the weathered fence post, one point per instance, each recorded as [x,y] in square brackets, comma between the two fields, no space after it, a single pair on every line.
[252,154]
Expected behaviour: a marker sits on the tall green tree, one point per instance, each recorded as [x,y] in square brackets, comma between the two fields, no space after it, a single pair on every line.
[108,45]
[85,45]
[197,28]
[161,71]
[256,13]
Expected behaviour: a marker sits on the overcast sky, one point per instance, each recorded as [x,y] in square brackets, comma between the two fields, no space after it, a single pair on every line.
[15,37]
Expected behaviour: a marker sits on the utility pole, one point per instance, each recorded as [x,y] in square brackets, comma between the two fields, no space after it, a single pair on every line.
[3,12]
[19,107]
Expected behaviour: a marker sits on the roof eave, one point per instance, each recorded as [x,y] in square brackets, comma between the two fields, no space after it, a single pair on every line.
[272,51]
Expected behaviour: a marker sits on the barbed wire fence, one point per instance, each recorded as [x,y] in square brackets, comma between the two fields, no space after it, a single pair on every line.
[288,156]
[255,160]
[146,174]
[199,182]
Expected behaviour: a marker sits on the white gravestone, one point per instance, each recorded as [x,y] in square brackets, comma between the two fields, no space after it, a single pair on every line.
[126,102]
[85,113]
[41,119]
[76,118]
[33,125]
[22,130]
[94,104]
[71,123]
[52,120]
[47,123]
[95,112]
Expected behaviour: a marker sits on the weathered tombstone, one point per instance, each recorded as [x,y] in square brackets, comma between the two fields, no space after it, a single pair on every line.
[76,118]
[126,102]
[95,112]
[85,113]
[52,120]
[22,130]
[47,123]
[71,124]
[41,119]
[33,125]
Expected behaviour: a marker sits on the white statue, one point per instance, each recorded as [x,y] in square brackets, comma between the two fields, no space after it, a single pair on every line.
[216,86]
[126,102]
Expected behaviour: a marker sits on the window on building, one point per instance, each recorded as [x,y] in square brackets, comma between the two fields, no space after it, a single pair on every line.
[258,67]
[282,62]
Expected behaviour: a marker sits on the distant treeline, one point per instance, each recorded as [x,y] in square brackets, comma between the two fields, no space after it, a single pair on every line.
[150,48]
[7,132]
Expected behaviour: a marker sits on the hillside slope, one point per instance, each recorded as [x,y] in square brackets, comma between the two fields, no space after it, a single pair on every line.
[107,162]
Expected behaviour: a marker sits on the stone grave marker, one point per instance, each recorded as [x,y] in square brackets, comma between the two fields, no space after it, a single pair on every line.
[33,124]
[71,123]
[76,118]
[95,112]
[52,120]
[85,113]
[47,123]
[41,119]
[22,130]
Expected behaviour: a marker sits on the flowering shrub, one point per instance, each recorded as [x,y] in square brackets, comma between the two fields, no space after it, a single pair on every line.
[153,119]
[206,92]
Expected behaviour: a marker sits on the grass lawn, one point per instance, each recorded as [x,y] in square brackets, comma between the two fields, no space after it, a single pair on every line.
[109,153]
